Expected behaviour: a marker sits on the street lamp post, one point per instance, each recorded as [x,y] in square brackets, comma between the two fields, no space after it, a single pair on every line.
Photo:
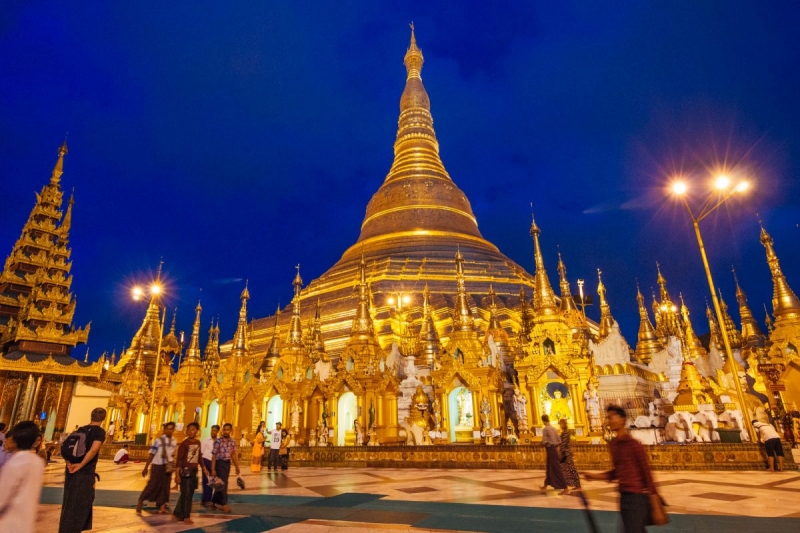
[723,186]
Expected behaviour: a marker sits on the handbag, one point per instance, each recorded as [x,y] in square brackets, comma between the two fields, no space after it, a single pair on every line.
[169,466]
[658,516]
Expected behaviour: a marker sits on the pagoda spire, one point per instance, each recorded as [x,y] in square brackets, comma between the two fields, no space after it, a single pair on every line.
[295,337]
[362,323]
[317,344]
[193,351]
[38,308]
[417,192]
[544,299]
[734,337]
[567,303]
[462,314]
[606,320]
[648,343]
[211,360]
[240,346]
[751,332]
[715,337]
[693,344]
[784,301]
[58,169]
[429,341]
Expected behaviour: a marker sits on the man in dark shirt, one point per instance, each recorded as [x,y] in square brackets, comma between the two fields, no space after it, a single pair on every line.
[632,472]
[188,458]
[76,508]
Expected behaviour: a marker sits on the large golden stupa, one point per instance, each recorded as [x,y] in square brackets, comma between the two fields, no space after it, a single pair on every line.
[413,227]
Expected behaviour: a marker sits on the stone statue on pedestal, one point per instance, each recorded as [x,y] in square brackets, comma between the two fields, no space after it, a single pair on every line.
[592,408]
[521,409]
[486,411]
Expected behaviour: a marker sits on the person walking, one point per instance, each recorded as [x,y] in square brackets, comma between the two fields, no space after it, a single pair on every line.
[223,455]
[76,505]
[554,476]
[258,449]
[772,444]
[162,459]
[275,439]
[567,462]
[186,461]
[632,471]
[207,448]
[21,480]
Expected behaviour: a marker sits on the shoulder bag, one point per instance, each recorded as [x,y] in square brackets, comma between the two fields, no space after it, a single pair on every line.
[170,466]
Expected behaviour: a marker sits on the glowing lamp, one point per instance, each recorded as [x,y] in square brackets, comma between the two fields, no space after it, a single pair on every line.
[679,187]
[722,182]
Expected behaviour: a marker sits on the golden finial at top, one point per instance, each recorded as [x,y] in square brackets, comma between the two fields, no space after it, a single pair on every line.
[58,169]
[413,58]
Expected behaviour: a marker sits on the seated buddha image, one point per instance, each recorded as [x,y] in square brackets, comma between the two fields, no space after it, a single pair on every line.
[557,402]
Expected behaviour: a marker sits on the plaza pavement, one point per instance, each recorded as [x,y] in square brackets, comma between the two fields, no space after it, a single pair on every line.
[336,500]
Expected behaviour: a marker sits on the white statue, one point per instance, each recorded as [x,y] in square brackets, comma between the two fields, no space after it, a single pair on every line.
[464,408]
[322,369]
[410,368]
[592,407]
[393,359]
[520,408]
[295,415]
[322,435]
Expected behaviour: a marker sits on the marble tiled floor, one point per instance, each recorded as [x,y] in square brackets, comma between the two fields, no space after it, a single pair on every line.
[362,500]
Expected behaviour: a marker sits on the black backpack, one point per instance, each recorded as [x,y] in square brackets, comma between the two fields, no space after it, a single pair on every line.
[74,448]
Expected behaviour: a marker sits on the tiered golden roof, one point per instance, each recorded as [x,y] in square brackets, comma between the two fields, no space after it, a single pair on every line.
[606,320]
[36,305]
[647,342]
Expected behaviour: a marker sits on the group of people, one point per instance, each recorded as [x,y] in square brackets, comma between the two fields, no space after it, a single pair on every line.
[278,448]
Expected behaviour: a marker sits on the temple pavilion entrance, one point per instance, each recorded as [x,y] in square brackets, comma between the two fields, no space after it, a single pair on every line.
[347,411]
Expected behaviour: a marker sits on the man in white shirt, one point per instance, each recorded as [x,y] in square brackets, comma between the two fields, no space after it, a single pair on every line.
[274,446]
[121,456]
[162,453]
[206,449]
[110,432]
[21,479]
[772,443]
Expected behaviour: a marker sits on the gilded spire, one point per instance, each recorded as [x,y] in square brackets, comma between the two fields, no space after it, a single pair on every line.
[417,192]
[525,314]
[715,337]
[567,303]
[751,333]
[693,344]
[544,299]
[295,338]
[362,323]
[58,169]
[240,346]
[193,351]
[767,319]
[274,350]
[648,343]
[317,344]
[462,314]
[734,337]
[429,343]
[784,301]
[66,222]
[211,356]
[606,320]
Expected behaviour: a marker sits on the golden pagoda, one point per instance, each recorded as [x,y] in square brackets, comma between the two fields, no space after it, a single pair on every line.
[37,372]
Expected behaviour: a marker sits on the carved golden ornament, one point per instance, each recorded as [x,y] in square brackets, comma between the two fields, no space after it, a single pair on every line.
[562,367]
[51,366]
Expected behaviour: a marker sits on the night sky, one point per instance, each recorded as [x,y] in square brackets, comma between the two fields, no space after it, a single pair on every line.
[236,140]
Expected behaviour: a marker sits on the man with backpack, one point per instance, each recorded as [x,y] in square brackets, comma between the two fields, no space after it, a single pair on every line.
[80,451]
[162,457]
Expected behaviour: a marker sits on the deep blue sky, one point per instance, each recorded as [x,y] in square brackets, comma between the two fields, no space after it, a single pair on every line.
[238,141]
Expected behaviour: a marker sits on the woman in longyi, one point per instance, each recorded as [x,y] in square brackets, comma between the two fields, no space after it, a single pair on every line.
[258,448]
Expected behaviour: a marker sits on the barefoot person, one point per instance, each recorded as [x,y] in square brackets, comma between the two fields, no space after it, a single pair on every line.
[258,449]
[631,469]
[21,479]
[223,455]
[186,462]
[162,459]
[552,445]
[772,444]
[207,448]
[567,462]
[76,507]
